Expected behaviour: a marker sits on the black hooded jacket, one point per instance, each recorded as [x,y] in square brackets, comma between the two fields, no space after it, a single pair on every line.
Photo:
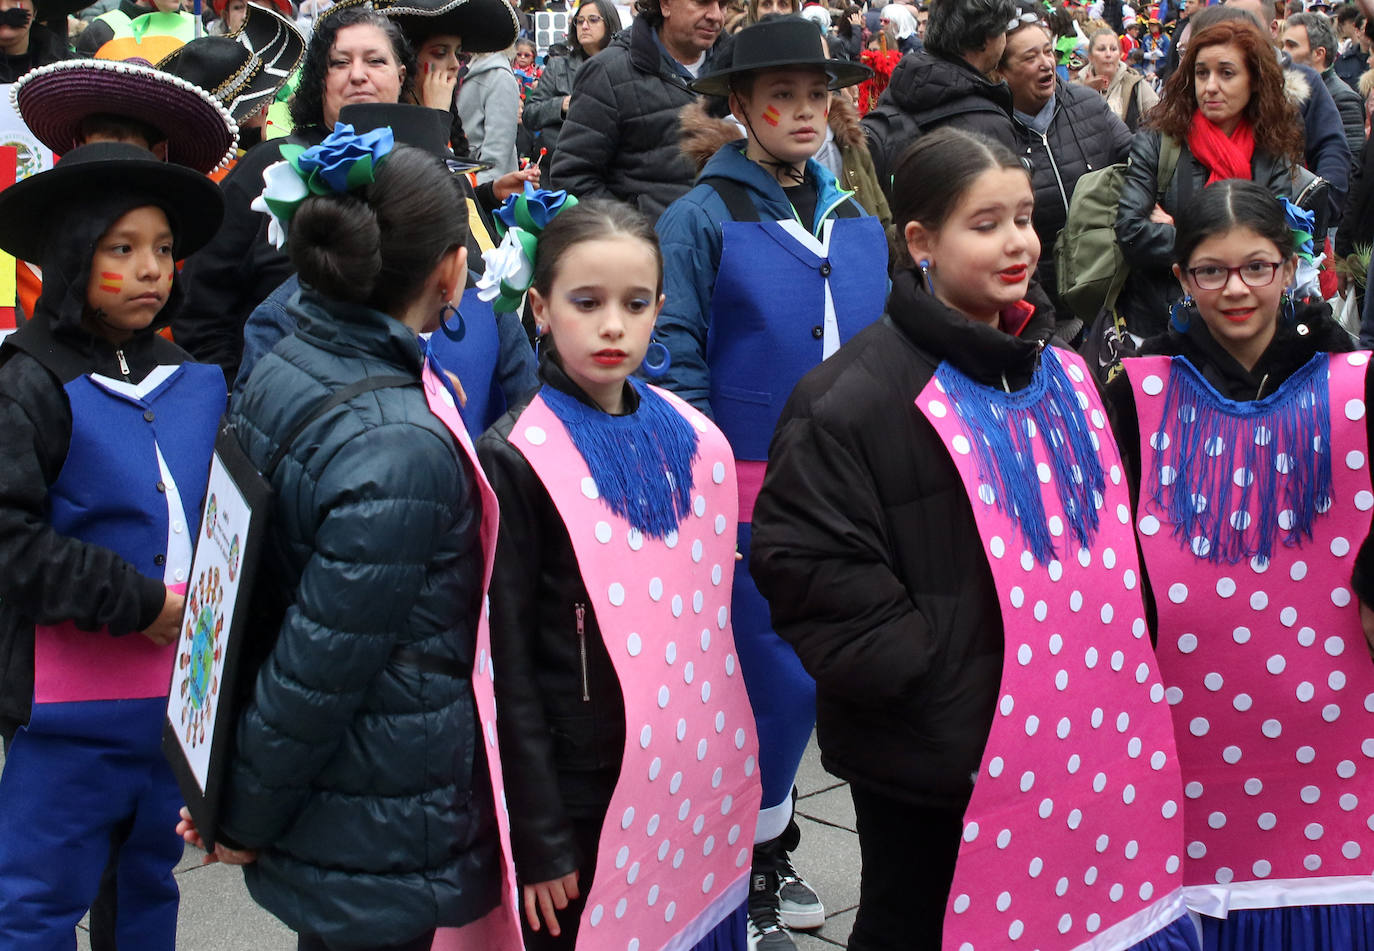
[49,577]
[902,632]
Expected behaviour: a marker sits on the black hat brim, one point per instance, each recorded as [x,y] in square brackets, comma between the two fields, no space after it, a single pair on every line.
[842,73]
[485,26]
[26,207]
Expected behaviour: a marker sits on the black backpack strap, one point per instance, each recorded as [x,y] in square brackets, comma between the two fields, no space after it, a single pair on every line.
[848,208]
[339,396]
[735,196]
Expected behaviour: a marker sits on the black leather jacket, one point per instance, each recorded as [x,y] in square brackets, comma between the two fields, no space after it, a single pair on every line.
[562,722]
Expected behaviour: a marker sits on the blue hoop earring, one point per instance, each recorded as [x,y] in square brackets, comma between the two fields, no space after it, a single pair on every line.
[456,334]
[657,360]
[924,265]
[1178,313]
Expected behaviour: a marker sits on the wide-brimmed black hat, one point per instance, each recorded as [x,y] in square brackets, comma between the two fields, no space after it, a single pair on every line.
[54,100]
[245,69]
[484,25]
[787,42]
[97,171]
[418,126]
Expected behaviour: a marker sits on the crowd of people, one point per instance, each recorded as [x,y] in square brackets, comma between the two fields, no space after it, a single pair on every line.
[975,385]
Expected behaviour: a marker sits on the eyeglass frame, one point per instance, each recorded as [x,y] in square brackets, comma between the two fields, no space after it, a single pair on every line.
[1024,19]
[588,20]
[1239,269]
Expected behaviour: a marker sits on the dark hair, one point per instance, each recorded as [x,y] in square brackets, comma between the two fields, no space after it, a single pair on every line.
[1273,117]
[526,41]
[590,220]
[307,105]
[1348,13]
[119,129]
[1319,33]
[610,17]
[1224,206]
[378,244]
[952,157]
[957,27]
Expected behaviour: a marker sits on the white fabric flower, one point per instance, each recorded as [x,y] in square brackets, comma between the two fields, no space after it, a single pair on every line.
[283,190]
[508,263]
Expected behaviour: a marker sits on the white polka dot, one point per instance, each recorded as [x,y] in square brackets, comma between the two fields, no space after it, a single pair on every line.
[1310,794]
[1334,645]
[1305,754]
[1187,643]
[715,574]
[1354,409]
[1271,728]
[1198,726]
[1061,682]
[1042,471]
[670,653]
[1286,519]
[670,540]
[616,594]
[1357,358]
[1364,500]
[1345,769]
[937,409]
[645,736]
[1241,635]
[1314,831]
[1169,809]
[1075,818]
[1196,850]
[589,487]
[1027,780]
[1107,613]
[1073,763]
[655,768]
[997,546]
[1242,702]
[1340,547]
[1312,862]
[1193,790]
[1216,820]
[1152,385]
[1331,712]
[1340,597]
[1076,601]
[1032,724]
[960,444]
[1231,754]
[1259,600]
[1276,664]
[1259,565]
[720,524]
[1004,838]
[1118,660]
[1174,695]
[970,831]
[995,766]
[662,697]
[1149,525]
[1096,717]
[1016,930]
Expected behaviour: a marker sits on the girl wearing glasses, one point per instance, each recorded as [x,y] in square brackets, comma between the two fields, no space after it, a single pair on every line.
[591,28]
[1244,434]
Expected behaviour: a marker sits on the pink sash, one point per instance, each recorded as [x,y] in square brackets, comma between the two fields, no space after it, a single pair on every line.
[499,930]
[1271,687]
[675,850]
[1073,836]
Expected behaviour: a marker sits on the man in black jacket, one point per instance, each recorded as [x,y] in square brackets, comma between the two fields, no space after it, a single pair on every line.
[620,137]
[1308,40]
[946,83]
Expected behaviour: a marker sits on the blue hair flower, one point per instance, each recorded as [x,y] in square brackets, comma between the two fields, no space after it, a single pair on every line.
[533,209]
[1302,224]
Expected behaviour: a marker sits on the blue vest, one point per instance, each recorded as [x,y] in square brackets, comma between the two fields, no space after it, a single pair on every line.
[110,490]
[473,359]
[768,316]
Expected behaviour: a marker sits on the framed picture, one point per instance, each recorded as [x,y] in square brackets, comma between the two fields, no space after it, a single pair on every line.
[214,653]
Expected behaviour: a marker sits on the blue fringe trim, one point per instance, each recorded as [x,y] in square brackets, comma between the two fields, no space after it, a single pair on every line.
[1000,425]
[1299,928]
[1218,453]
[641,462]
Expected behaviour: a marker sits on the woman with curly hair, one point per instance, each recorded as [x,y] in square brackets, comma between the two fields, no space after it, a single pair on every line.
[1223,115]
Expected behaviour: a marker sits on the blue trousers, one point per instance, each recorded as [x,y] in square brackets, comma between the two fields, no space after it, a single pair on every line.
[71,776]
[781,692]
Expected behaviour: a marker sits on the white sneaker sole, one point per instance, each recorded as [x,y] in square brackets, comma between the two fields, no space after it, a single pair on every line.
[801,918]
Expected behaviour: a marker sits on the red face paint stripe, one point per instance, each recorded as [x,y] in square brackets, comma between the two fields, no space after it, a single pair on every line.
[771,115]
[111,276]
[110,288]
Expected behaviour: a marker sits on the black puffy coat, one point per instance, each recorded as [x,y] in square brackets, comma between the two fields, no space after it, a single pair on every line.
[1350,105]
[359,772]
[620,136]
[1084,135]
[1149,247]
[866,547]
[927,92]
[562,723]
[544,104]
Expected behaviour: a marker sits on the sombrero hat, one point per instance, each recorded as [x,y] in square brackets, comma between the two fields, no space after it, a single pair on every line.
[283,6]
[243,70]
[53,101]
[107,168]
[780,43]
[484,25]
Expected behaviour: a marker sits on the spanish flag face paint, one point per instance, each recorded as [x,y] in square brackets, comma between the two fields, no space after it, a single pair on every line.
[772,116]
[111,282]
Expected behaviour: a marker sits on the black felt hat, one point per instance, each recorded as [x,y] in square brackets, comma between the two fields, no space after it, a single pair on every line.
[106,168]
[787,42]
[245,69]
[485,26]
[418,126]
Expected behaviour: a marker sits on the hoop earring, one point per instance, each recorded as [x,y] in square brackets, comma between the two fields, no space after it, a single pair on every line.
[924,265]
[1178,313]
[456,334]
[1290,309]
[657,360]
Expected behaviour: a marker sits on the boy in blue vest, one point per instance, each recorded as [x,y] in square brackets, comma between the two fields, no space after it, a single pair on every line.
[108,430]
[769,266]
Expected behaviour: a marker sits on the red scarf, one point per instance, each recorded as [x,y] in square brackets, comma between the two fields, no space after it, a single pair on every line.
[1225,156]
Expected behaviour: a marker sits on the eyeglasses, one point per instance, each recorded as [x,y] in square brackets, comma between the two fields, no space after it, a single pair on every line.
[1024,19]
[587,21]
[1213,277]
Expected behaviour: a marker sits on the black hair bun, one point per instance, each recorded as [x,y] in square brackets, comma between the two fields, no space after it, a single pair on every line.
[335,245]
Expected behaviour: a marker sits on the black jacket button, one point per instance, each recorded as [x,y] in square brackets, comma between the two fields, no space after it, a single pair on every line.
[148,415]
[160,559]
[825,269]
[818,331]
[162,487]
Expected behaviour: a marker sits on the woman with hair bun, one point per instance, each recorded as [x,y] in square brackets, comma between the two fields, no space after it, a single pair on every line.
[944,536]
[358,792]
[1223,115]
[1245,434]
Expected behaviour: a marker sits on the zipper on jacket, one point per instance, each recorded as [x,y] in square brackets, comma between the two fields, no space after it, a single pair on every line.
[580,610]
[1054,166]
[123,366]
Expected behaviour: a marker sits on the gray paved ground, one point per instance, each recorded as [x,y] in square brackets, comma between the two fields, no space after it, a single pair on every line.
[218,915]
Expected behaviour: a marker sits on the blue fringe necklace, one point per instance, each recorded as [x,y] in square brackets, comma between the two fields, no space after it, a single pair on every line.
[1215,454]
[1000,427]
[641,462]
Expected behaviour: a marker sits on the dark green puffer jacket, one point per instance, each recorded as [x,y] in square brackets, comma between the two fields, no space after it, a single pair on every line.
[359,774]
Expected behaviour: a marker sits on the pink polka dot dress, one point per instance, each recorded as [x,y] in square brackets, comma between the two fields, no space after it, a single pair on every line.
[1073,837]
[1250,515]
[673,859]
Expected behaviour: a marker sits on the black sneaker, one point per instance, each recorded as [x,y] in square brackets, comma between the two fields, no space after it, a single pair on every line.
[799,906]
[765,929]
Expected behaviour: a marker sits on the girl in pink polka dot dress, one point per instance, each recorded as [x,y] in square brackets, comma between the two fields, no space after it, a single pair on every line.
[627,745]
[1247,441]
[944,536]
